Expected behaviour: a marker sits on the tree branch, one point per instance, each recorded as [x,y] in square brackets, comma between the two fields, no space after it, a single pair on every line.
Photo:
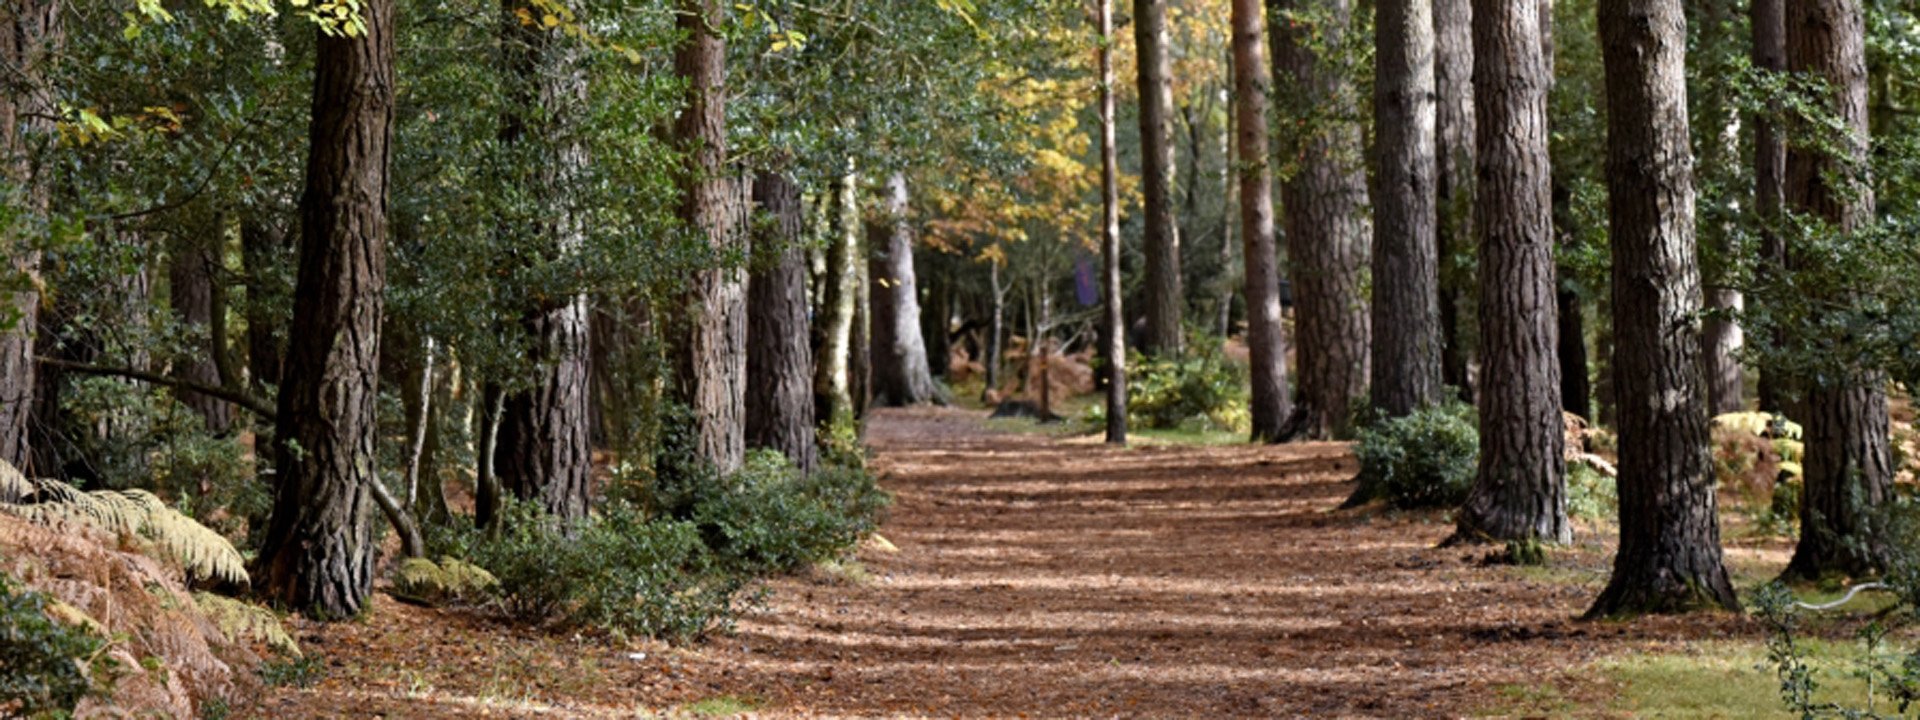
[251,404]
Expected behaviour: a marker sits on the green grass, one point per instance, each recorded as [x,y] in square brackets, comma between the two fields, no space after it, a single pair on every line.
[1716,679]
[723,706]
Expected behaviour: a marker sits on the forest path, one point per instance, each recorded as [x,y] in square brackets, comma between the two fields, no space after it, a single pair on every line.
[1052,577]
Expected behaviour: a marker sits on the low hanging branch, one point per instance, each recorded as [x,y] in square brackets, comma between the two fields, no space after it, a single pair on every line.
[251,404]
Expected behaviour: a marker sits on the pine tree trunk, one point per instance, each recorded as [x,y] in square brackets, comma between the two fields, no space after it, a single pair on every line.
[261,245]
[1453,182]
[901,376]
[1266,345]
[1328,234]
[713,357]
[1669,558]
[1520,490]
[833,397]
[779,361]
[1164,301]
[31,39]
[860,340]
[190,279]
[996,330]
[1406,273]
[1768,20]
[318,552]
[1113,318]
[1848,467]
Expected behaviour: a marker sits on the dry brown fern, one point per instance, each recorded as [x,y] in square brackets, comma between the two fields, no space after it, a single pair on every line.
[203,553]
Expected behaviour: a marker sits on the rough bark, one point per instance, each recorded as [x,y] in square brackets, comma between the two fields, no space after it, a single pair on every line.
[1519,492]
[833,397]
[1669,558]
[318,554]
[1328,234]
[1113,318]
[712,358]
[190,282]
[31,38]
[1266,346]
[1848,467]
[1406,272]
[545,452]
[1453,181]
[1768,19]
[779,361]
[901,375]
[1163,297]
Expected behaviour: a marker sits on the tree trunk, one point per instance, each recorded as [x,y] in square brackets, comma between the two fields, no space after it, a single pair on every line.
[31,39]
[712,358]
[1229,210]
[1406,272]
[1328,233]
[1726,379]
[318,553]
[1849,467]
[936,325]
[261,245]
[1266,345]
[488,496]
[1163,297]
[1453,182]
[996,329]
[833,397]
[779,362]
[1669,558]
[190,280]
[901,376]
[860,340]
[1520,490]
[1576,390]
[1769,23]
[1113,319]
[545,449]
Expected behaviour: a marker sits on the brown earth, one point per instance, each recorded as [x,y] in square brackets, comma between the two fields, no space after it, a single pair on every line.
[1046,577]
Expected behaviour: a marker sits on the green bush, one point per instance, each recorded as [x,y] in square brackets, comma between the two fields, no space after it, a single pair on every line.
[42,661]
[1591,494]
[1425,459]
[1203,386]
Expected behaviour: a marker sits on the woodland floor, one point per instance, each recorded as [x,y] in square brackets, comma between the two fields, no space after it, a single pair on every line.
[1045,576]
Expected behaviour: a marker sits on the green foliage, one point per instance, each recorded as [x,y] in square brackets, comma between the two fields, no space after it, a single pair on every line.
[245,621]
[1425,459]
[440,583]
[42,662]
[1591,494]
[292,671]
[1200,388]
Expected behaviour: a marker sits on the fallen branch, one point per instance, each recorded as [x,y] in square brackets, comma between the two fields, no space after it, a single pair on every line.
[247,402]
[1852,591]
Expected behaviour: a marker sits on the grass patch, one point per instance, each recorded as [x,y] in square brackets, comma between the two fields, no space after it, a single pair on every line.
[723,706]
[1724,680]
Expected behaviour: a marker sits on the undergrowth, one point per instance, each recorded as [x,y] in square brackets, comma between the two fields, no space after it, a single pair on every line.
[43,662]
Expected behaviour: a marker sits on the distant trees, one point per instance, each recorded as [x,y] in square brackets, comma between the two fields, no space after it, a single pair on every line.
[901,372]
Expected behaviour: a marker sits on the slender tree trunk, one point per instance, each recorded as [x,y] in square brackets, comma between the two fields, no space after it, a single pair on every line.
[262,244]
[1849,466]
[1453,182]
[32,37]
[713,358]
[1669,558]
[1164,300]
[1266,345]
[190,281]
[1520,490]
[901,375]
[996,330]
[1113,346]
[1328,233]
[1576,390]
[779,363]
[488,495]
[1769,24]
[1229,210]
[318,552]
[860,340]
[833,396]
[1406,272]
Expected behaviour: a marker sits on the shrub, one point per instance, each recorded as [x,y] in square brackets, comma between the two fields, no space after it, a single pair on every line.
[1591,494]
[1425,459]
[440,583]
[1204,386]
[42,662]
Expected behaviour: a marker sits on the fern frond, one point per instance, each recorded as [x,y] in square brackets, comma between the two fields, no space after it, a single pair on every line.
[203,553]
[238,620]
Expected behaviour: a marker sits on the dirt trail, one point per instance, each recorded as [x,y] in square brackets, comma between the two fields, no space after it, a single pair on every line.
[1040,577]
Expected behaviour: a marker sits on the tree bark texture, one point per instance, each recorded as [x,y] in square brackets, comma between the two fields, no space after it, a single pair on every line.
[1768,20]
[901,376]
[1328,234]
[1669,558]
[1266,344]
[1113,318]
[1520,490]
[32,35]
[779,360]
[1453,183]
[713,357]
[190,279]
[1164,300]
[1406,271]
[833,397]
[318,553]
[1848,466]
